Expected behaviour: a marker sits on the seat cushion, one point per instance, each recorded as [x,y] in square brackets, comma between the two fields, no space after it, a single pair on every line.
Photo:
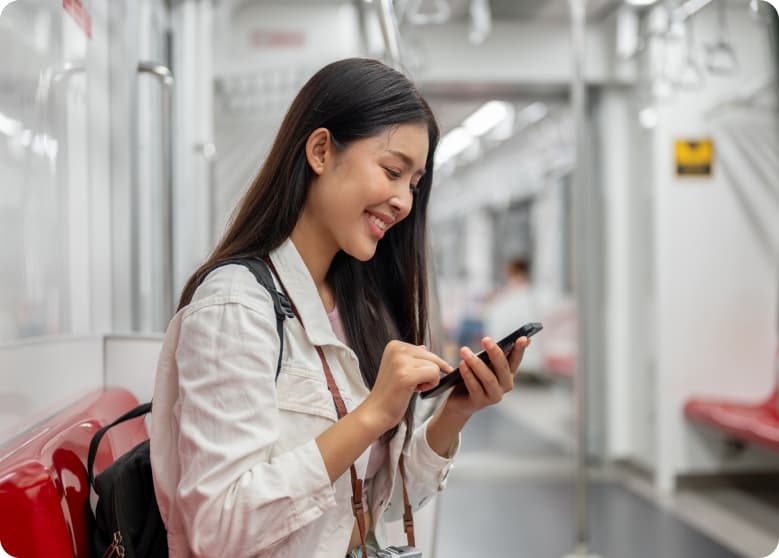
[751,422]
[44,494]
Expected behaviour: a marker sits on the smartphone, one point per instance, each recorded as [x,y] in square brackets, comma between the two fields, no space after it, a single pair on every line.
[506,344]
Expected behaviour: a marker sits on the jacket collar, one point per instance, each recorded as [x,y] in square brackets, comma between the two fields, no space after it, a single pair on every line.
[302,292]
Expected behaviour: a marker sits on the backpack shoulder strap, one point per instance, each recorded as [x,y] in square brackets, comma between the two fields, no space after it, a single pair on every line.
[281,304]
[283,309]
[138,411]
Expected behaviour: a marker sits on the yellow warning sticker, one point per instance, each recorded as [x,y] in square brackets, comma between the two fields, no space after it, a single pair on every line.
[694,157]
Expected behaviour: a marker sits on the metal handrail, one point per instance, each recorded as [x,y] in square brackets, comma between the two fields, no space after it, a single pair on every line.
[158,70]
[389,30]
[165,77]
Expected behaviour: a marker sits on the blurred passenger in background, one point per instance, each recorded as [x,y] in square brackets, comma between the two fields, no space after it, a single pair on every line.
[515,303]
[249,464]
[470,329]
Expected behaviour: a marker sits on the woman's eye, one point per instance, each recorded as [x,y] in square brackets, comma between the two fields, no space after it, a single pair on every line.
[392,173]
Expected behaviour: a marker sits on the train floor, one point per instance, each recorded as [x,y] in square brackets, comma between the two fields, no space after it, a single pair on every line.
[512,493]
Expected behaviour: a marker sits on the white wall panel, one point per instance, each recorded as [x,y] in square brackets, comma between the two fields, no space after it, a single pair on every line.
[518,53]
[39,377]
[615,157]
[131,362]
[263,36]
[99,176]
[42,376]
[716,303]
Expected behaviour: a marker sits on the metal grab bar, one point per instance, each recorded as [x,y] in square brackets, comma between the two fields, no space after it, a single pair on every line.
[68,70]
[207,150]
[389,30]
[165,77]
[160,71]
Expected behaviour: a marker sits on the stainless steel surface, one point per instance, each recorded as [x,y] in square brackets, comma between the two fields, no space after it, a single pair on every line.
[530,10]
[458,9]
[582,217]
[389,31]
[689,8]
[69,69]
[160,71]
[165,77]
[440,13]
[774,3]
[208,151]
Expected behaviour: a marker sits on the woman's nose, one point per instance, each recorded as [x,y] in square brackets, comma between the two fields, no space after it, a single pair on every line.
[401,204]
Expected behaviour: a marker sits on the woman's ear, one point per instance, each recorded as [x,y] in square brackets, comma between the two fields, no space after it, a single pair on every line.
[318,148]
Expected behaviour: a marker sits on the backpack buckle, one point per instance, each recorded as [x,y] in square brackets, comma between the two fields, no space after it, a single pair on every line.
[286,306]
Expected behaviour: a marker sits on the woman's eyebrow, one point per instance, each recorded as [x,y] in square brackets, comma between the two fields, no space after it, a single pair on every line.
[406,160]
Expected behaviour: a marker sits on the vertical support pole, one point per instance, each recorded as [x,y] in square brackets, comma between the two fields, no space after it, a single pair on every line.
[167,303]
[168,294]
[208,150]
[389,30]
[582,227]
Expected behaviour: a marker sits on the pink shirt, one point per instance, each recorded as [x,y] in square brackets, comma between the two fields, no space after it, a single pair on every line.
[378,450]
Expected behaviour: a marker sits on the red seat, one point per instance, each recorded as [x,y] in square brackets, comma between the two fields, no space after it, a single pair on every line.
[44,494]
[560,365]
[756,422]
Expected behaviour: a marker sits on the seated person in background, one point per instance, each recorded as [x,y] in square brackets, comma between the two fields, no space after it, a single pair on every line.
[512,305]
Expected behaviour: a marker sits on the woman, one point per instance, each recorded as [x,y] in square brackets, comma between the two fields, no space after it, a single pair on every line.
[249,465]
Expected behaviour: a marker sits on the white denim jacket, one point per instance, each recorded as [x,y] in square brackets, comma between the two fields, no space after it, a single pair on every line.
[237,471]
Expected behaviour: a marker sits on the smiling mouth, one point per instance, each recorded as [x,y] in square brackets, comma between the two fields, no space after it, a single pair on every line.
[381,225]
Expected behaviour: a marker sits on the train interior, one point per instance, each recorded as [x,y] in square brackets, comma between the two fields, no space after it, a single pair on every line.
[623,153]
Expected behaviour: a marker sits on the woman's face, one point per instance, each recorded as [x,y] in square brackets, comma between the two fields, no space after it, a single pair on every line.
[363,190]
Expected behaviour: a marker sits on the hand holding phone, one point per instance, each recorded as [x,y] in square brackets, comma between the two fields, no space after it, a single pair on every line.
[506,345]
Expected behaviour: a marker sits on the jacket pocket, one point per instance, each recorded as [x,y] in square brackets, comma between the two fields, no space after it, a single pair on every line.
[301,390]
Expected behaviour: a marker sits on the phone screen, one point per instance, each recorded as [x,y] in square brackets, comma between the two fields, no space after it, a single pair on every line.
[506,344]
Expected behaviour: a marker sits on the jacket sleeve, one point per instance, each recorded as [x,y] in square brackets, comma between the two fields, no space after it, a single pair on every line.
[235,499]
[426,471]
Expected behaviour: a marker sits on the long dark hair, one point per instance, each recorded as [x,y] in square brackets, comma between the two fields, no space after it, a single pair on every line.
[353,98]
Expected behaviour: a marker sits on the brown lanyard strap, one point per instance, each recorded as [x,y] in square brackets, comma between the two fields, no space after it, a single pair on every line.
[340,407]
[408,515]
[357,484]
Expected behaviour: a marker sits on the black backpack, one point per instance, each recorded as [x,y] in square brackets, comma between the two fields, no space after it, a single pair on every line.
[127,520]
